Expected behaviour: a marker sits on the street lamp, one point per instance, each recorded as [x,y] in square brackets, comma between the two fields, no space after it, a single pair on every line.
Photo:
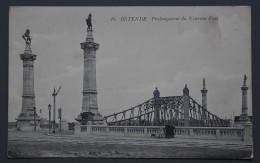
[54,94]
[34,114]
[49,107]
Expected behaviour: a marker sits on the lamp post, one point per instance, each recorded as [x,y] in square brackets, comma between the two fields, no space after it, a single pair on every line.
[60,118]
[49,107]
[34,114]
[54,94]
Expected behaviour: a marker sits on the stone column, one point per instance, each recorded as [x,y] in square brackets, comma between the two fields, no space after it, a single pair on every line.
[156,95]
[186,105]
[244,114]
[28,96]
[89,100]
[244,120]
[204,92]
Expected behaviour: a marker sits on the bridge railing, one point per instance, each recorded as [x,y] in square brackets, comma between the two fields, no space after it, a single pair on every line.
[226,133]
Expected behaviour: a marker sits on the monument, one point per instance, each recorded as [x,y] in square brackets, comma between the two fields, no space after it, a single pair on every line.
[89,110]
[244,115]
[244,119]
[28,118]
[156,95]
[186,105]
[204,92]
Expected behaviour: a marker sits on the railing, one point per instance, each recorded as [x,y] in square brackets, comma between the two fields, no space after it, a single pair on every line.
[227,133]
[12,126]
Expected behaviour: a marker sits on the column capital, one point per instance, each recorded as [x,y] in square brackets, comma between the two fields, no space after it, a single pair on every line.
[244,88]
[92,46]
[204,91]
[89,92]
[26,56]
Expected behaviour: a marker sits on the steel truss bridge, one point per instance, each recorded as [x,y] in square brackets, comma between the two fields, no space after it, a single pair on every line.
[160,111]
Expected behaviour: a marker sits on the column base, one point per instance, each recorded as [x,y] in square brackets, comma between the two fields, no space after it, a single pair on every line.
[27,125]
[25,122]
[86,117]
[244,119]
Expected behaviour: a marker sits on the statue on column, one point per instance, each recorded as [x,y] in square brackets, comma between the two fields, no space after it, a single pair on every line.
[245,78]
[26,36]
[89,23]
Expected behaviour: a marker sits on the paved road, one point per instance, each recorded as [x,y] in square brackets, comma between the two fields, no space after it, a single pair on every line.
[85,146]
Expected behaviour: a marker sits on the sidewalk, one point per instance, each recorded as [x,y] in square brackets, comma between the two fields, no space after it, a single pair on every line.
[41,144]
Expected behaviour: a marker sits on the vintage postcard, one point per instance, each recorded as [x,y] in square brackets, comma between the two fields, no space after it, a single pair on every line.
[130,82]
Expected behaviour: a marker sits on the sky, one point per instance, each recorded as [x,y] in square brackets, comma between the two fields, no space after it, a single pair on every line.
[133,56]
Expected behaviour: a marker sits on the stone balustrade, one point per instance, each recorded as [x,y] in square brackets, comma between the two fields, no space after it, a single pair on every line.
[226,133]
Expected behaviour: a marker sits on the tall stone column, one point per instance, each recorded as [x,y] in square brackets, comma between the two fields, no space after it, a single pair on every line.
[89,100]
[244,114]
[156,95]
[186,105]
[244,120]
[89,110]
[204,92]
[28,96]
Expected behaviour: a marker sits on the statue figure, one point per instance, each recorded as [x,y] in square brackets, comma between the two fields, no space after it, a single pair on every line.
[245,78]
[26,36]
[89,22]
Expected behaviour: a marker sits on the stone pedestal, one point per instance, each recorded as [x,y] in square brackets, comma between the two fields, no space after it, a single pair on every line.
[77,129]
[64,125]
[248,131]
[28,126]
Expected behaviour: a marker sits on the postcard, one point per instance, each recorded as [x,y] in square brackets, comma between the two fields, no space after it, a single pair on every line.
[130,82]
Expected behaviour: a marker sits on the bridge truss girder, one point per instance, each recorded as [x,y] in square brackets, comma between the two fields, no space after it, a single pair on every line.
[169,111]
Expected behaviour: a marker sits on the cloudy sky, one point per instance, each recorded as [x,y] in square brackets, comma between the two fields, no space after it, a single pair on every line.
[133,57]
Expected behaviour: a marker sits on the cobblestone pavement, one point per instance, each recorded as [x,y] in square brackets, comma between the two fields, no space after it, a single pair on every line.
[40,144]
